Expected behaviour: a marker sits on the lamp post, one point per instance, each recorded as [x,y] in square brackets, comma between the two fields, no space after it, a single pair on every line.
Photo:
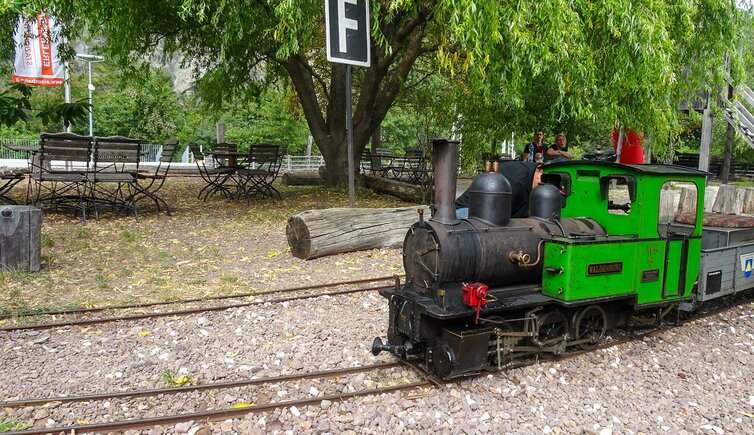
[90,58]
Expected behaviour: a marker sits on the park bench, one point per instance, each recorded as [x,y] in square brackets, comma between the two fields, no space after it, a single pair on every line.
[9,177]
[59,171]
[113,179]
[377,163]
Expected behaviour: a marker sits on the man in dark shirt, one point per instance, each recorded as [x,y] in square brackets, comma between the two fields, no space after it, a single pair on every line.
[523,177]
[534,151]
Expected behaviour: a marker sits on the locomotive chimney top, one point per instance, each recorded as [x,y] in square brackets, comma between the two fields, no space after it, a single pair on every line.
[445,162]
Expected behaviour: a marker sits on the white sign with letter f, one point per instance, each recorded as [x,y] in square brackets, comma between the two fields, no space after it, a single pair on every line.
[347,31]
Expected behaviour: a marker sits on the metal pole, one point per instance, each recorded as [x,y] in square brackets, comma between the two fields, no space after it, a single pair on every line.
[349,132]
[67,89]
[91,108]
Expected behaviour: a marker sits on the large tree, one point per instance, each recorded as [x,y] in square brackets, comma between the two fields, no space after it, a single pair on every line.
[632,59]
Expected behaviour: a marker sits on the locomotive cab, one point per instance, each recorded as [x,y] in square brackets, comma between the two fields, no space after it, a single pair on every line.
[642,254]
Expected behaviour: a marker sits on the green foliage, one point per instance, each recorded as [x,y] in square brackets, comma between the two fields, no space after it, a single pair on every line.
[7,425]
[266,120]
[142,106]
[15,105]
[577,67]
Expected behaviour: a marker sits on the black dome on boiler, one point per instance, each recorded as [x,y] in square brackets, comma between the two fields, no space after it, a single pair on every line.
[490,199]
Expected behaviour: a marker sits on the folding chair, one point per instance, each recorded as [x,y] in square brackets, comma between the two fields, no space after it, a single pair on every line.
[152,183]
[113,182]
[214,177]
[262,167]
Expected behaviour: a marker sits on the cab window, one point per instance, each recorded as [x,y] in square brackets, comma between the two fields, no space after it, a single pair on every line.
[677,209]
[620,192]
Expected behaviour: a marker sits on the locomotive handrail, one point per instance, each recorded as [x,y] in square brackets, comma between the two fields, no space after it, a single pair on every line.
[489,229]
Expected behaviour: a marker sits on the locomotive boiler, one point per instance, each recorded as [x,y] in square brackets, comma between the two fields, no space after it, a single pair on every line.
[483,291]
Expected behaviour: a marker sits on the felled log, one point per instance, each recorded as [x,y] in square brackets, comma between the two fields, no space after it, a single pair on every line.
[308,178]
[729,200]
[687,202]
[398,189]
[316,233]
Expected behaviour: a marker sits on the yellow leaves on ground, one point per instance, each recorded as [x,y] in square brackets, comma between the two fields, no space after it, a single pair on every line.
[144,333]
[215,247]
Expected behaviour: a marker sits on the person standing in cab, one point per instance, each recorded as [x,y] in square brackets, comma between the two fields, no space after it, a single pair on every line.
[534,151]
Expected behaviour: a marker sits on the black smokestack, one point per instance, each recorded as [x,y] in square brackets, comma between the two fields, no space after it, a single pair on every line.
[445,162]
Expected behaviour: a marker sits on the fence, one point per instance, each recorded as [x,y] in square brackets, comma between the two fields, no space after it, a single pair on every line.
[152,153]
[149,152]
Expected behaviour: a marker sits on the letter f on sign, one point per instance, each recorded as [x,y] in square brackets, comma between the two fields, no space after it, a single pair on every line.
[344,24]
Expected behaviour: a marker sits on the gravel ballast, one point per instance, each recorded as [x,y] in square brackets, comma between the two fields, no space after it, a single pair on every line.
[692,379]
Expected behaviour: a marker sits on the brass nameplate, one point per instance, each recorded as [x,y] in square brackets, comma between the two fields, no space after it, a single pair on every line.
[604,268]
[650,275]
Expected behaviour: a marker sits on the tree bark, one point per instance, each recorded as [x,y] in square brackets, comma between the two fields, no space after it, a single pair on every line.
[375,90]
[316,233]
[309,178]
[398,189]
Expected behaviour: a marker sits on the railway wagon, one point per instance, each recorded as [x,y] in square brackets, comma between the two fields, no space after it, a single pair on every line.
[598,247]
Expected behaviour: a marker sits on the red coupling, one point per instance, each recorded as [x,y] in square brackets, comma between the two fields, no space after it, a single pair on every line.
[475,296]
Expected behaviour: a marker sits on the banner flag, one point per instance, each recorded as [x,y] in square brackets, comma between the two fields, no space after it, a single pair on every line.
[37,61]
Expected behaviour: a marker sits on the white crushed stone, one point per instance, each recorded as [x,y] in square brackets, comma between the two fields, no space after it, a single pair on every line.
[689,380]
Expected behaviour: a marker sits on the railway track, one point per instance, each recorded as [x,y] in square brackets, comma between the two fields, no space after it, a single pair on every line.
[423,381]
[216,414]
[80,317]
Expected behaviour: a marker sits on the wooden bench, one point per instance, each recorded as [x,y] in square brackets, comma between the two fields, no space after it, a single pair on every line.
[59,171]
[9,177]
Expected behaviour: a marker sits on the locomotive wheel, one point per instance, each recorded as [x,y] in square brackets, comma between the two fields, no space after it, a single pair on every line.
[590,324]
[551,327]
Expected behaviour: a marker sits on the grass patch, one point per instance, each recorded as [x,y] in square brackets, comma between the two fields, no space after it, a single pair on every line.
[83,233]
[15,276]
[173,380]
[7,425]
[128,236]
[229,278]
[101,282]
[47,241]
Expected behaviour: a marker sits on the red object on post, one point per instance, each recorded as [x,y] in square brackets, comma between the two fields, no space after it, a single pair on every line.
[475,296]
[631,151]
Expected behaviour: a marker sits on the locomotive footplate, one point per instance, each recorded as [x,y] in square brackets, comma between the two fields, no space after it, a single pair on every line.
[507,298]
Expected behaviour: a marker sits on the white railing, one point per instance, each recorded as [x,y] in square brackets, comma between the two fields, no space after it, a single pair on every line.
[301,163]
[151,153]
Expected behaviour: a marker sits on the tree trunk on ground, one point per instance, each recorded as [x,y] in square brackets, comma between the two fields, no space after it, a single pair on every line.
[316,233]
[308,178]
[398,189]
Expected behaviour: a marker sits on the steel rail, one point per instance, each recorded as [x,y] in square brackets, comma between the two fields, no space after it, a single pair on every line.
[212,386]
[220,414]
[89,322]
[185,301]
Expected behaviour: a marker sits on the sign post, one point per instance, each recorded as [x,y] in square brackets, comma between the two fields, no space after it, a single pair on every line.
[347,33]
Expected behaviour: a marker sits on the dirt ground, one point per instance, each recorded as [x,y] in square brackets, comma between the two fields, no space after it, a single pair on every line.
[208,248]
